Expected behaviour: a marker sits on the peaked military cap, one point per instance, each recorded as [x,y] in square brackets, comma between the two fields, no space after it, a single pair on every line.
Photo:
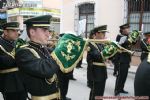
[11,25]
[102,28]
[146,33]
[40,21]
[124,26]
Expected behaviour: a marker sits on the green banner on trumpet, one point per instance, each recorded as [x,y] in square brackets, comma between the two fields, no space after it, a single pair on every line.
[110,49]
[68,52]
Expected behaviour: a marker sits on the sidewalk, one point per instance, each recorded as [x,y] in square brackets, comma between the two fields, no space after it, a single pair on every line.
[132,68]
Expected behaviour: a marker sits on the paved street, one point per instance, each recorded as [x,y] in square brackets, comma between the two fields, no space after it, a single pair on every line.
[79,91]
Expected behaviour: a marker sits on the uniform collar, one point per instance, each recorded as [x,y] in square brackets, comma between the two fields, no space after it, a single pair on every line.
[7,41]
[36,44]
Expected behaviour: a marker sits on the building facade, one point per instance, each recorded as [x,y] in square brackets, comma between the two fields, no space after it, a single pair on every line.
[110,12]
[32,8]
[95,12]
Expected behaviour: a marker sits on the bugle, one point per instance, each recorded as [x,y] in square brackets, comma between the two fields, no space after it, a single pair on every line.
[104,41]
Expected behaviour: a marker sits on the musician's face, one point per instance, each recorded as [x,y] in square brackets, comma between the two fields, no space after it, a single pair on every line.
[126,31]
[100,35]
[40,35]
[11,34]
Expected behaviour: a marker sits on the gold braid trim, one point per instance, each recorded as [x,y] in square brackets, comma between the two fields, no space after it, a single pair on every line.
[9,70]
[8,53]
[95,45]
[67,70]
[31,50]
[99,64]
[51,80]
[98,50]
[48,97]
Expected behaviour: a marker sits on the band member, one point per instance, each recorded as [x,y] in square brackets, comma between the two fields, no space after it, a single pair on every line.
[89,63]
[142,77]
[115,61]
[10,83]
[96,58]
[38,69]
[125,40]
[145,43]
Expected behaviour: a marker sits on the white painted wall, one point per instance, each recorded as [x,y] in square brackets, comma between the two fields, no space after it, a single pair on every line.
[67,16]
[109,12]
[52,4]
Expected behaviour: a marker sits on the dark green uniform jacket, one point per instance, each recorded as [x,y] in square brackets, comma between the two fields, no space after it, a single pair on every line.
[96,67]
[9,81]
[142,79]
[144,48]
[124,57]
[36,67]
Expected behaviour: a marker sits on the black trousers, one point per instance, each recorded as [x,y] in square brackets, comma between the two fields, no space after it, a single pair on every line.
[121,77]
[116,68]
[97,89]
[63,84]
[79,63]
[15,95]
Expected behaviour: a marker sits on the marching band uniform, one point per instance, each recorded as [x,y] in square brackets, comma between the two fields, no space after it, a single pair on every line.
[142,76]
[126,40]
[145,47]
[97,68]
[38,69]
[10,82]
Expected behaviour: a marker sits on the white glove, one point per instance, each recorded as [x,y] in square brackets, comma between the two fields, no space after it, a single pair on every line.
[122,40]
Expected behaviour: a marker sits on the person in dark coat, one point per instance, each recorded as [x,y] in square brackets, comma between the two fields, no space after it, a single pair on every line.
[142,79]
[10,81]
[126,40]
[115,61]
[89,63]
[38,69]
[145,45]
[96,58]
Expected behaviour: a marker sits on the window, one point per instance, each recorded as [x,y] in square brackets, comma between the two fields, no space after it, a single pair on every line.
[86,11]
[138,15]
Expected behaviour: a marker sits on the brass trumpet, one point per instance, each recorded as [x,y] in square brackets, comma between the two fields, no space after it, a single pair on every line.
[104,41]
